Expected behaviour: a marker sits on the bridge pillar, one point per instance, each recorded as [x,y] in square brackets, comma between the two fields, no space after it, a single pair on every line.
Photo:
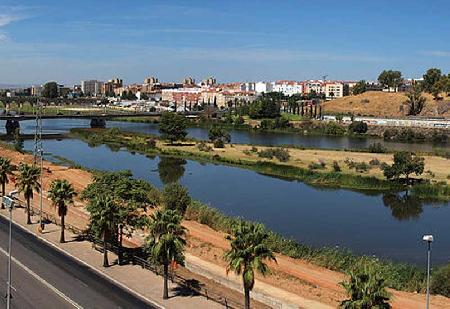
[11,126]
[98,122]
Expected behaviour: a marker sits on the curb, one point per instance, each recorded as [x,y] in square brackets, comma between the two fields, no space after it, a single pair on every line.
[101,273]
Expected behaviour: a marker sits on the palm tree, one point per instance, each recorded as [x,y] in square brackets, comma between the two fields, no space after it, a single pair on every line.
[104,220]
[61,193]
[27,182]
[366,290]
[165,244]
[5,171]
[247,254]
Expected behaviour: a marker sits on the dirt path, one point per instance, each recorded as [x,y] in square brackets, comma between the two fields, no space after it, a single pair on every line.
[293,276]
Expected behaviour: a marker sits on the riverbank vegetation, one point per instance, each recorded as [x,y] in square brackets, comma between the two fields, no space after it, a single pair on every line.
[291,163]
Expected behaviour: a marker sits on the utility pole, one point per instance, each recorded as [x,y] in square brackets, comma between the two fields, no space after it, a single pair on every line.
[39,156]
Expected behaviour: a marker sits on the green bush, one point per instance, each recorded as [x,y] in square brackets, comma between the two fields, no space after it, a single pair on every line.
[332,128]
[176,197]
[336,167]
[218,143]
[202,146]
[279,153]
[440,281]
[358,127]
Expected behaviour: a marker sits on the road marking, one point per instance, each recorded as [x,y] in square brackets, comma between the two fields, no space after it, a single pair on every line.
[41,280]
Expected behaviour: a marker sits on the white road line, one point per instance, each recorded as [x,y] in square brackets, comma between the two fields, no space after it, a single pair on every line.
[41,280]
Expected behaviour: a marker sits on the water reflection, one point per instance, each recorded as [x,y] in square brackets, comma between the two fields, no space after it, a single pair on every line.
[171,169]
[403,206]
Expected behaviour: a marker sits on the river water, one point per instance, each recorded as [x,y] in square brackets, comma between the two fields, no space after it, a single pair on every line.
[385,225]
[237,136]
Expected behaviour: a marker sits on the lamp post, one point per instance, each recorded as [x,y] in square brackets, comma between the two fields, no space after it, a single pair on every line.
[429,239]
[8,200]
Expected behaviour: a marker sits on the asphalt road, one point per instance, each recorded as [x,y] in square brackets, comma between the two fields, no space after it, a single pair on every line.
[43,277]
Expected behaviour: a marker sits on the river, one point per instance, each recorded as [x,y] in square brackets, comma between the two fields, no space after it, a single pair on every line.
[385,225]
[237,136]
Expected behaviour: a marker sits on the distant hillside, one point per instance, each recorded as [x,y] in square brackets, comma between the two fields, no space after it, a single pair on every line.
[385,104]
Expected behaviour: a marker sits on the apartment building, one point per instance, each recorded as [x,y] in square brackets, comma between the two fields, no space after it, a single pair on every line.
[263,87]
[92,87]
[182,95]
[334,90]
[287,87]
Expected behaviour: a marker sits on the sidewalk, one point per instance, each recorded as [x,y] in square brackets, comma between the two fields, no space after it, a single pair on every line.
[143,282]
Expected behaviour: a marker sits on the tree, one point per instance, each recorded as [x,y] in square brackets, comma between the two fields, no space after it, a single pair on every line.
[6,170]
[430,78]
[359,127]
[366,290]
[416,102]
[104,219]
[176,197]
[27,183]
[165,243]
[405,163]
[133,197]
[266,106]
[217,134]
[390,79]
[61,193]
[248,252]
[346,90]
[50,90]
[360,87]
[173,127]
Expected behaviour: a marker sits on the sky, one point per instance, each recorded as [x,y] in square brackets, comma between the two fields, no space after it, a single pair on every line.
[246,40]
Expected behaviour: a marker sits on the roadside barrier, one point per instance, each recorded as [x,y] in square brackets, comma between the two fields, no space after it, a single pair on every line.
[137,257]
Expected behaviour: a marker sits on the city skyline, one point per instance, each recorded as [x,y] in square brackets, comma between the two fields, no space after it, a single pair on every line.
[231,41]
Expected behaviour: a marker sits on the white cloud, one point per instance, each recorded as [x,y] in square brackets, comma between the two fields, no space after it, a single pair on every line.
[6,19]
[436,53]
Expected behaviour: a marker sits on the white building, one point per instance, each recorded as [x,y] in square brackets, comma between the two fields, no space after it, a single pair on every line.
[334,90]
[288,88]
[263,87]
[91,87]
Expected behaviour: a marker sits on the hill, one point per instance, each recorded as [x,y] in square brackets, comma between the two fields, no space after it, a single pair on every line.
[385,104]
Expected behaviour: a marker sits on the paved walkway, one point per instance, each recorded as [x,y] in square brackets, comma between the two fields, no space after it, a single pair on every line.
[143,282]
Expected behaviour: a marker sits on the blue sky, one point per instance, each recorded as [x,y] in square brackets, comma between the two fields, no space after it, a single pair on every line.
[231,40]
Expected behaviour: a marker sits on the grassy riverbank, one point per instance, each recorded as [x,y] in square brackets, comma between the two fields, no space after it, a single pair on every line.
[357,170]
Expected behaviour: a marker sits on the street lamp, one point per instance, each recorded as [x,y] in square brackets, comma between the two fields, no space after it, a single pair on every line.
[8,200]
[429,239]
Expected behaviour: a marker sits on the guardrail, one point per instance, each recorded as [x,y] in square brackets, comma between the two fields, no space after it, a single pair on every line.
[136,256]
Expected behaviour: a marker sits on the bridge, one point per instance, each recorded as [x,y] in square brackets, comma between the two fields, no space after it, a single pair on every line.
[98,120]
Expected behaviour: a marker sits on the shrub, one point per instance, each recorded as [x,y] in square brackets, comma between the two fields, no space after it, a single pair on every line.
[332,128]
[218,143]
[280,153]
[151,143]
[374,162]
[316,166]
[254,149]
[267,124]
[358,127]
[440,283]
[202,146]
[176,197]
[336,167]
[239,121]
